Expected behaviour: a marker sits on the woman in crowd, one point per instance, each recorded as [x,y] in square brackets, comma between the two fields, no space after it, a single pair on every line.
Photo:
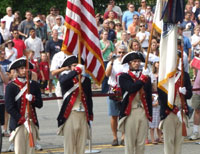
[134,45]
[155,104]
[113,69]
[124,39]
[112,25]
[149,18]
[195,39]
[143,36]
[143,7]
[142,20]
[118,30]
[107,48]
[17,20]
[11,52]
[99,21]
[154,47]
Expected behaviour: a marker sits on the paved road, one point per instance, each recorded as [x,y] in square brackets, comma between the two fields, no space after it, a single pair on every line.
[102,135]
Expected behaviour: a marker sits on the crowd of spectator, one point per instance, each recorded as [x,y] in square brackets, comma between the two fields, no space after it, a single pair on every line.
[132,29]
[41,38]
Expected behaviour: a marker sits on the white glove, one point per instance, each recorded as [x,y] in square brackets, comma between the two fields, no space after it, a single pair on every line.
[26,125]
[65,72]
[29,97]
[146,72]
[90,123]
[179,116]
[182,90]
[82,67]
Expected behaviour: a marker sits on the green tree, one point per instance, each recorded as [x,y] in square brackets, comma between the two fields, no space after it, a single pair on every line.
[35,6]
[43,6]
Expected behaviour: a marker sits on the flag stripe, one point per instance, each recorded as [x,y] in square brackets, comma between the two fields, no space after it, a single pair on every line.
[94,43]
[82,35]
[84,15]
[73,23]
[73,43]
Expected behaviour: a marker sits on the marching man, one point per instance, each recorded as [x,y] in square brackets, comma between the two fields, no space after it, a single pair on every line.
[136,107]
[16,99]
[172,118]
[76,111]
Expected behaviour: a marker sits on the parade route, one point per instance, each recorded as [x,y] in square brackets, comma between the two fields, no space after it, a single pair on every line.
[101,131]
[117,149]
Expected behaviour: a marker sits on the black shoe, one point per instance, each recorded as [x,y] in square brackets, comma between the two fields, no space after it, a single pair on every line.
[122,142]
[115,142]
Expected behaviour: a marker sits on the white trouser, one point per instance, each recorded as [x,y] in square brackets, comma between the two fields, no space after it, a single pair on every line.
[21,140]
[75,133]
[136,127]
[172,131]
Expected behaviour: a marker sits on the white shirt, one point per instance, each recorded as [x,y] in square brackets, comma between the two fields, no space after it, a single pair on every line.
[141,35]
[116,68]
[194,9]
[185,62]
[194,40]
[9,52]
[61,30]
[57,60]
[5,33]
[34,44]
[9,20]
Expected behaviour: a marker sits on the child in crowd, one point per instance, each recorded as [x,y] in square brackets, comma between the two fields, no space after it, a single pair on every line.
[35,70]
[44,72]
[11,52]
[155,104]
[156,120]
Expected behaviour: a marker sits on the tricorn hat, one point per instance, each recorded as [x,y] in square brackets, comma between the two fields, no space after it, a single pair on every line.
[18,63]
[131,56]
[71,60]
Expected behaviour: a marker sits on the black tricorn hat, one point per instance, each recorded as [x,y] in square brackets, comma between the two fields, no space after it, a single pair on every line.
[18,63]
[71,60]
[131,56]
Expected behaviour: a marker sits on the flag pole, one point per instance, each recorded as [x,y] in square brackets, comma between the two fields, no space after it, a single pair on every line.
[90,151]
[184,130]
[29,108]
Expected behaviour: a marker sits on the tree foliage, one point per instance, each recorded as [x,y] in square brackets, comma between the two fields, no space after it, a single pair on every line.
[35,6]
[43,6]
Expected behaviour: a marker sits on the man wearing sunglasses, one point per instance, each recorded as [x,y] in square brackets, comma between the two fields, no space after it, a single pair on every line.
[114,68]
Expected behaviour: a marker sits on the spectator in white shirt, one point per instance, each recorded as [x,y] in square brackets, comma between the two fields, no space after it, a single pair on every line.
[11,52]
[9,18]
[143,36]
[51,18]
[4,31]
[34,43]
[195,39]
[59,27]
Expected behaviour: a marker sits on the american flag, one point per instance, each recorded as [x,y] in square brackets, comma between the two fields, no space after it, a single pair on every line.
[82,36]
